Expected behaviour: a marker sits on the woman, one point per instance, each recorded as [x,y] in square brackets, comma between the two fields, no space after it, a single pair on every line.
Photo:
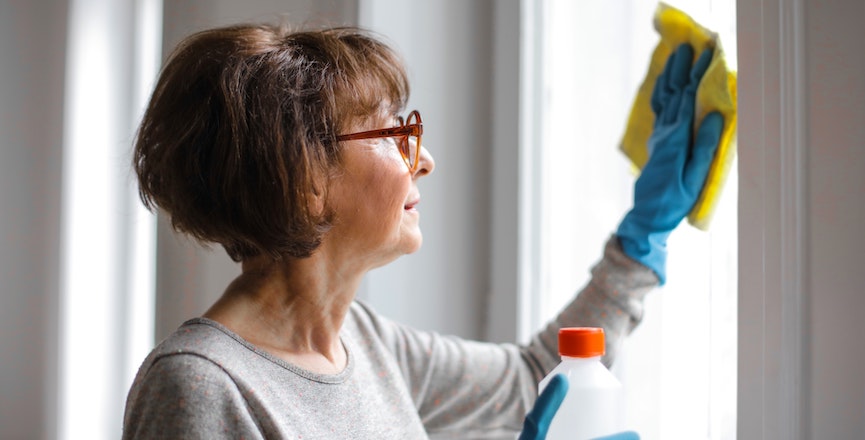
[286,149]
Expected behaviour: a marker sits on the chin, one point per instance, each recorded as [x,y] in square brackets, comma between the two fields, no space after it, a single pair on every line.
[414,243]
[406,247]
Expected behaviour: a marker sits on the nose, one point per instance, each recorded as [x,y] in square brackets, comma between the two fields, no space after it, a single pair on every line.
[426,164]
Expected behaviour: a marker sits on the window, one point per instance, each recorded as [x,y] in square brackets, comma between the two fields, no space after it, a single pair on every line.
[108,264]
[679,367]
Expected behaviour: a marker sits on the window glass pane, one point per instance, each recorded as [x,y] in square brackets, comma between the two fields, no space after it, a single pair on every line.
[679,366]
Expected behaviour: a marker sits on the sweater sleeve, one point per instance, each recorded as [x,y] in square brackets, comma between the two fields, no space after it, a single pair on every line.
[480,390]
[187,396]
[612,300]
[460,388]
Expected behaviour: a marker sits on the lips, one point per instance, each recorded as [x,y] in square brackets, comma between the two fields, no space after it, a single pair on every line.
[411,204]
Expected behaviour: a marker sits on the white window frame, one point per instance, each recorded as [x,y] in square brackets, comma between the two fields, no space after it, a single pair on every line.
[106,316]
[771,307]
[772,389]
[685,349]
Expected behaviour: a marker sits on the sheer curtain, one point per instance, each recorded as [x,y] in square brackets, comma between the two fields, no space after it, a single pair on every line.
[108,239]
[679,367]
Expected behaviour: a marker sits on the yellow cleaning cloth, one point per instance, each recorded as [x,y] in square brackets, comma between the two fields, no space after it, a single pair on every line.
[716,92]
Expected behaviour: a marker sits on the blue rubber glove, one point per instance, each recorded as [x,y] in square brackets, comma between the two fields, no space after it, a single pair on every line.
[627,435]
[538,420]
[678,162]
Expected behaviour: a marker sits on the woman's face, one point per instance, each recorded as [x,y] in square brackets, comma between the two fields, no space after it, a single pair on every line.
[375,198]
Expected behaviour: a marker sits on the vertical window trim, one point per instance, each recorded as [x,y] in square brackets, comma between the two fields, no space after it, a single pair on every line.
[106,298]
[515,188]
[773,308]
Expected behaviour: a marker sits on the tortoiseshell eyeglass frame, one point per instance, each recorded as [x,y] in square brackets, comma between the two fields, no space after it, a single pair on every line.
[411,126]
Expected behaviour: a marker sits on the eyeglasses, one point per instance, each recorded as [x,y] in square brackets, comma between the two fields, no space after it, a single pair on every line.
[407,134]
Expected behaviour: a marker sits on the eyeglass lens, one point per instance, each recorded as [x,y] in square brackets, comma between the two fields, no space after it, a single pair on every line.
[410,145]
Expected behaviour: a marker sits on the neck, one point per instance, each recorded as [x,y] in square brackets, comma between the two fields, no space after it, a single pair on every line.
[291,308]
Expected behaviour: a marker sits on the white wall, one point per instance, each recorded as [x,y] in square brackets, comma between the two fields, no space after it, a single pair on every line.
[835,205]
[32,43]
[447,46]
[802,180]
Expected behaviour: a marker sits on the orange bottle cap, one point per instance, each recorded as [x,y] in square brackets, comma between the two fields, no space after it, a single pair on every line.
[581,341]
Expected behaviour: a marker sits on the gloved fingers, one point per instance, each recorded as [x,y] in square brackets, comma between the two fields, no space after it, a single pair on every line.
[661,91]
[627,435]
[701,66]
[671,83]
[686,111]
[705,146]
[681,66]
[551,398]
[537,422]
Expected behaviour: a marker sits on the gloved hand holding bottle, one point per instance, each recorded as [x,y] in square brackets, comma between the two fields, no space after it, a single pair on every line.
[679,161]
[538,420]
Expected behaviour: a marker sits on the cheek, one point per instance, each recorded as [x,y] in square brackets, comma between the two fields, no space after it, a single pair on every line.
[378,195]
[390,194]
[373,190]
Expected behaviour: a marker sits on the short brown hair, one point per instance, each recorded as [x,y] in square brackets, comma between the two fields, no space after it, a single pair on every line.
[242,127]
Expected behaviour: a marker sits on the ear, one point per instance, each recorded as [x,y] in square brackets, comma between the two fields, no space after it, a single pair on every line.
[317,200]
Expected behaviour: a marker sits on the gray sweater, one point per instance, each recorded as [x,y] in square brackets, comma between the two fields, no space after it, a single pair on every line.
[204,381]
